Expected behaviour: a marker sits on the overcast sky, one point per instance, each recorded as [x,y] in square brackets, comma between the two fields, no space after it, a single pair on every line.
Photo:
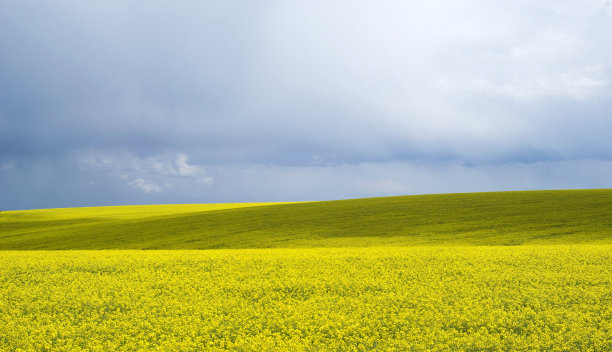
[140,102]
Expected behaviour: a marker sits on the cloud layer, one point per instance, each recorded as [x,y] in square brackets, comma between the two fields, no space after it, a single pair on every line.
[136,102]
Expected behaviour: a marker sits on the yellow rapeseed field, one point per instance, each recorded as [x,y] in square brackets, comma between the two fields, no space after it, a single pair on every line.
[475,298]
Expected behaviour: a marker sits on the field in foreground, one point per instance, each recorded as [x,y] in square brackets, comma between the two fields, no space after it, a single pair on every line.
[477,298]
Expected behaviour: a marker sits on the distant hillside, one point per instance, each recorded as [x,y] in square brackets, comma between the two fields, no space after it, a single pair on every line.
[497,218]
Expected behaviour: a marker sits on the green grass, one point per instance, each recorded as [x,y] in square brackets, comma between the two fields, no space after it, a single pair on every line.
[498,218]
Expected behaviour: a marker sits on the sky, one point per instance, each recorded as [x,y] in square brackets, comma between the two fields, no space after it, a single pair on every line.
[144,102]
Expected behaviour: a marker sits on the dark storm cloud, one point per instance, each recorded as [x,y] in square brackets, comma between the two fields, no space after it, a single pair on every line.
[278,100]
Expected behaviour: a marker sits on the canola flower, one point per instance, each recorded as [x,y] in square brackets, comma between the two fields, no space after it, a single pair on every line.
[556,298]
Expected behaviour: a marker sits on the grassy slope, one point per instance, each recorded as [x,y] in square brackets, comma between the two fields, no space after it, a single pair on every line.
[501,218]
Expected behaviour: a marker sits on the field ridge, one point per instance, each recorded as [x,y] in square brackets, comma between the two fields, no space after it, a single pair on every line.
[490,218]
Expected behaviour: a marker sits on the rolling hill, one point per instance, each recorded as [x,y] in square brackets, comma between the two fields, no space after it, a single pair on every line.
[495,218]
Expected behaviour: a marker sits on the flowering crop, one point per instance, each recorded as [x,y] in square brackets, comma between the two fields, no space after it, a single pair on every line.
[483,298]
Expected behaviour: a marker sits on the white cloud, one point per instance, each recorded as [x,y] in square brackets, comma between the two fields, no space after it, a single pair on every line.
[160,164]
[144,186]
[579,84]
[184,169]
[162,171]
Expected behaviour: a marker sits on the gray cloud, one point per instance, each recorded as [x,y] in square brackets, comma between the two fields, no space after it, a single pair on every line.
[210,92]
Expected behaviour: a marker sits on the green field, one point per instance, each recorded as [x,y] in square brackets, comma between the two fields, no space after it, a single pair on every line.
[510,271]
[504,218]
